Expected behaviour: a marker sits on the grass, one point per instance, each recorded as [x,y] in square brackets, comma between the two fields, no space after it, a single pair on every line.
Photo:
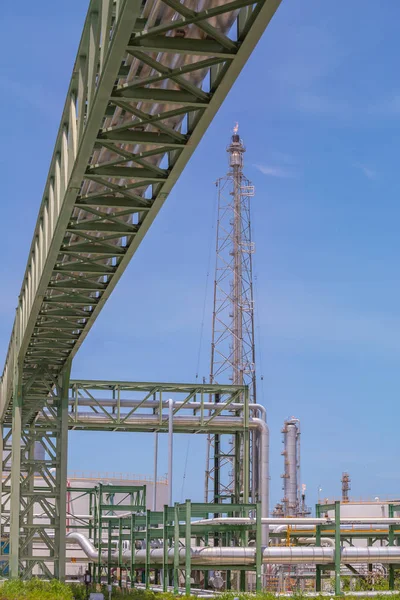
[36,589]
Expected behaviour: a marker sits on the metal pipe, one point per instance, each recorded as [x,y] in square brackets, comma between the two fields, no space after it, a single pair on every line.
[225,556]
[155,471]
[170,448]
[264,476]
[301,523]
[183,423]
[312,540]
[265,521]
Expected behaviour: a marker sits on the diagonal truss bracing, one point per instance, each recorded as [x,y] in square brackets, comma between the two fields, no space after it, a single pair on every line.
[147,81]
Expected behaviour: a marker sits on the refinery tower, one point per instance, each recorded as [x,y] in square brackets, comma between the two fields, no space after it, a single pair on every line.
[232,346]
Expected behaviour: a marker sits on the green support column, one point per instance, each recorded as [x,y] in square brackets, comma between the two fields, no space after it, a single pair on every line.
[99,530]
[258,548]
[246,475]
[62,472]
[188,555]
[109,553]
[133,549]
[337,548]
[318,569]
[147,567]
[165,550]
[95,530]
[120,550]
[15,501]
[176,549]
[391,543]
[229,580]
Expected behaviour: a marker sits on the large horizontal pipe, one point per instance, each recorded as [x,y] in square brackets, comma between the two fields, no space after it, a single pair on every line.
[266,521]
[225,556]
[155,404]
[186,424]
[301,522]
[152,422]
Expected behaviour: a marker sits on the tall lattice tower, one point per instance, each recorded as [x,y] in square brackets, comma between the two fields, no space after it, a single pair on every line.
[232,347]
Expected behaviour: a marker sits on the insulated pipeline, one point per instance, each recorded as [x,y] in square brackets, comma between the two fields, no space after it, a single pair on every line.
[225,556]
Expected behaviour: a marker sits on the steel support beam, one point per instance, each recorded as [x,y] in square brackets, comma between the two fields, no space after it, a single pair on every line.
[49,431]
[117,129]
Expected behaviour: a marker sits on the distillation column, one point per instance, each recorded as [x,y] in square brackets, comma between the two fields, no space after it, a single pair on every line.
[293,501]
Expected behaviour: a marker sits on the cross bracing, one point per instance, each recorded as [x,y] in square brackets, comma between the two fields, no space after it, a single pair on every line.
[146,84]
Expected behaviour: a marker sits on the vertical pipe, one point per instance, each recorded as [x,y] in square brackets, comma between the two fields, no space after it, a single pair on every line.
[263,449]
[170,448]
[246,449]
[258,548]
[188,557]
[155,471]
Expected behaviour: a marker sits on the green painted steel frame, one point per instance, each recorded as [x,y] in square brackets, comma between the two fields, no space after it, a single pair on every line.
[106,184]
[110,399]
[21,497]
[107,178]
[173,525]
[335,507]
[60,412]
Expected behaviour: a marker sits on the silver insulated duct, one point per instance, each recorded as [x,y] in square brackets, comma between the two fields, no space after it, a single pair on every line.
[225,556]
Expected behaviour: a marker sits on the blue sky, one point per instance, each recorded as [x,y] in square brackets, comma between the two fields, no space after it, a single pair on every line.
[318,106]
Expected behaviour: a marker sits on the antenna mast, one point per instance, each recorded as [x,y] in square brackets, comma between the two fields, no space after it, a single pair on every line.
[232,347]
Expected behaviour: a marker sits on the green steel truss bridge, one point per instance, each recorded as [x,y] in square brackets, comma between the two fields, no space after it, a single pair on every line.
[147,81]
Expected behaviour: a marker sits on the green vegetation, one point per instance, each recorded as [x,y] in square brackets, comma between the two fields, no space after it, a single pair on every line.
[35,589]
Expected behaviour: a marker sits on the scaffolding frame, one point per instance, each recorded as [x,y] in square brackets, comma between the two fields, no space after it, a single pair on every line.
[63,406]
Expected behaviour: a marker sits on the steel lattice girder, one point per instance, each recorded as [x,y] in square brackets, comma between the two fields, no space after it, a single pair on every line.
[117,403]
[140,98]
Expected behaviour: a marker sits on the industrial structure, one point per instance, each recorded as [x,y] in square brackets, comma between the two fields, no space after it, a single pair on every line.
[294,500]
[345,487]
[233,343]
[148,79]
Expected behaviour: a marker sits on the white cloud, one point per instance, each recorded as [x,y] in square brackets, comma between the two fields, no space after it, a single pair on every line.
[275,171]
[367,171]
